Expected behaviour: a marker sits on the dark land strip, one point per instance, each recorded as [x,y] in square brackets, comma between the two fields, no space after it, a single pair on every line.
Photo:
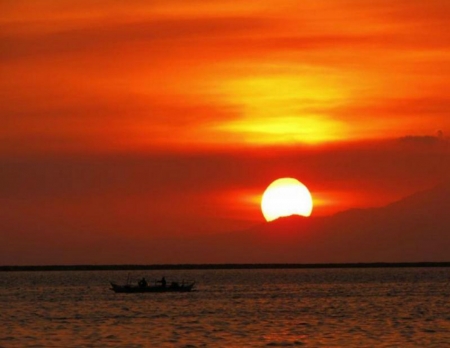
[221,266]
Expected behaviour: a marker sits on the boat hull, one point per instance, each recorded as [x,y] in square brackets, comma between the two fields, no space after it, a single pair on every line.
[132,289]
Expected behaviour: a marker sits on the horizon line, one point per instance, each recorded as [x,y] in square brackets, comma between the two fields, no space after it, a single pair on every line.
[218,266]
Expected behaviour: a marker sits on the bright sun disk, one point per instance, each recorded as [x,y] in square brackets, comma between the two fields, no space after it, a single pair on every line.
[286,197]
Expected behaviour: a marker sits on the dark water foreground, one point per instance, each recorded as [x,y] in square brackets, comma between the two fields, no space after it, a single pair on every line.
[342,307]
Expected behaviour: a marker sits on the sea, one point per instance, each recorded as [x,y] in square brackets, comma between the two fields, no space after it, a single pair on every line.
[347,307]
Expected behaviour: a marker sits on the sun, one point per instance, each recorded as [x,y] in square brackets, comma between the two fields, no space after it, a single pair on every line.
[285,197]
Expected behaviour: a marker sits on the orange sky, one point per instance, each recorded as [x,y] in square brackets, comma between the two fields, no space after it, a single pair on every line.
[171,117]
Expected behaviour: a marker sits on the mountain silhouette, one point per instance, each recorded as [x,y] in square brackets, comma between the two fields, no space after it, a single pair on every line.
[413,229]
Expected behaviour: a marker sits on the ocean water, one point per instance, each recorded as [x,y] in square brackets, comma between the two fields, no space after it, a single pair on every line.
[383,307]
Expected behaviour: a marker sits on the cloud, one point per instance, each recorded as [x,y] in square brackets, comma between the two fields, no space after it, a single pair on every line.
[427,140]
[154,74]
[107,36]
[390,26]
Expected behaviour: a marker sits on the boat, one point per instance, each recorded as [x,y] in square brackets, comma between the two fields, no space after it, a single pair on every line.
[142,288]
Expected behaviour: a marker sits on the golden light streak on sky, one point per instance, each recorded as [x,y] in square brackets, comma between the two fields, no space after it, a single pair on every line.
[281,109]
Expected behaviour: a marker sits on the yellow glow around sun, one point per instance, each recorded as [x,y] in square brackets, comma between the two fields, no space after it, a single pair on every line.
[284,109]
[285,197]
[311,129]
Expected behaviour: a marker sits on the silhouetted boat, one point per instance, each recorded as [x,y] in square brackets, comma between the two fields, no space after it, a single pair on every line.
[173,287]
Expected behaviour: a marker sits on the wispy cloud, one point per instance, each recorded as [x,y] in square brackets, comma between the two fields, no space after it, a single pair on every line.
[228,71]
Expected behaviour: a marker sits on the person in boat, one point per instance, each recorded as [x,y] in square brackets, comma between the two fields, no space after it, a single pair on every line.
[143,283]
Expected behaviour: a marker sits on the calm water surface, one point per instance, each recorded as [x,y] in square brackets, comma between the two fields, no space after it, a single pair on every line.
[407,307]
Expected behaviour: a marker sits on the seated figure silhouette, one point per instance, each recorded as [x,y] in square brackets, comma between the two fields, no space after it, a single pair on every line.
[143,283]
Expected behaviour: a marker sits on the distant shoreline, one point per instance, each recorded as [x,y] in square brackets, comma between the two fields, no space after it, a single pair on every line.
[222,266]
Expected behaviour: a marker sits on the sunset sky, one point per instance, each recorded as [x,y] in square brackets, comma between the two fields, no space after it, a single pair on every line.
[141,120]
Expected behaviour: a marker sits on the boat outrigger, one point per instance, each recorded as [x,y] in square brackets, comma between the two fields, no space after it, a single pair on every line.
[160,286]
